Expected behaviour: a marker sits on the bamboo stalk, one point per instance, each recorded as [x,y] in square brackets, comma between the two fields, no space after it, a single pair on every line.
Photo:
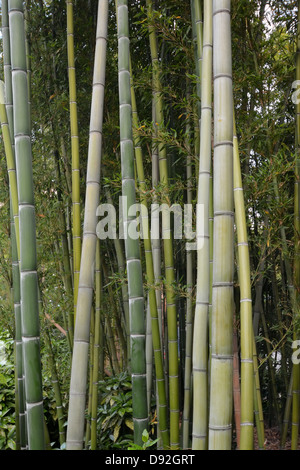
[76,416]
[152,297]
[11,167]
[236,384]
[56,388]
[96,351]
[200,349]
[258,410]
[220,419]
[20,385]
[74,152]
[134,269]
[247,386]
[189,320]
[15,232]
[28,261]
[296,303]
[198,39]
[167,244]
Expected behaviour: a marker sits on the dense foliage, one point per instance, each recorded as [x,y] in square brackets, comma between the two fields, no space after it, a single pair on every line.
[264,48]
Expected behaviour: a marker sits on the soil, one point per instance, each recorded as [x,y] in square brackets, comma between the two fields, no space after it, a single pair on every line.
[272,440]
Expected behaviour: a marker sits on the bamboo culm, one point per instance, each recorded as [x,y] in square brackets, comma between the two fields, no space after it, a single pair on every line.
[28,260]
[132,249]
[167,243]
[200,348]
[221,380]
[75,154]
[247,385]
[76,417]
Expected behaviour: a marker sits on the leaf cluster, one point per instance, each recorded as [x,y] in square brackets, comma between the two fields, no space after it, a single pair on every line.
[7,397]
[115,425]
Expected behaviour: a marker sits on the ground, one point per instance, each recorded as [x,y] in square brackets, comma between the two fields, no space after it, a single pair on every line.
[272,440]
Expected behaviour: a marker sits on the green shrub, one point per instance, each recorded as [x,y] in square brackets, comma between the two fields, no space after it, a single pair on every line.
[115,425]
[7,394]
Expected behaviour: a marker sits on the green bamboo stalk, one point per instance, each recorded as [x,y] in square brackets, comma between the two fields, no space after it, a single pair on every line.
[296,303]
[15,244]
[56,388]
[149,356]
[258,410]
[167,244]
[132,248]
[287,413]
[10,162]
[189,321]
[7,68]
[200,349]
[28,261]
[66,265]
[236,384]
[28,51]
[15,235]
[152,297]
[20,384]
[74,152]
[247,386]
[115,317]
[96,351]
[220,419]
[90,383]
[156,252]
[76,416]
[197,31]
[110,339]
[119,249]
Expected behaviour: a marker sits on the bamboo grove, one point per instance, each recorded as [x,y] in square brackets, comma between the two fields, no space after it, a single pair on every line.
[150,221]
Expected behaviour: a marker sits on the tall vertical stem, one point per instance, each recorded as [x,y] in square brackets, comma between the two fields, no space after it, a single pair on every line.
[74,151]
[167,243]
[200,349]
[77,403]
[221,395]
[296,280]
[28,259]
[247,386]
[132,248]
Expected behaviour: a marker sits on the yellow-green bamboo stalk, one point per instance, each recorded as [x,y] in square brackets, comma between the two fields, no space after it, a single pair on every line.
[20,385]
[287,412]
[76,416]
[258,409]
[119,249]
[200,344]
[197,31]
[7,68]
[152,298]
[10,162]
[28,260]
[75,152]
[156,250]
[220,417]
[296,304]
[189,321]
[19,369]
[96,351]
[247,386]
[167,243]
[132,246]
